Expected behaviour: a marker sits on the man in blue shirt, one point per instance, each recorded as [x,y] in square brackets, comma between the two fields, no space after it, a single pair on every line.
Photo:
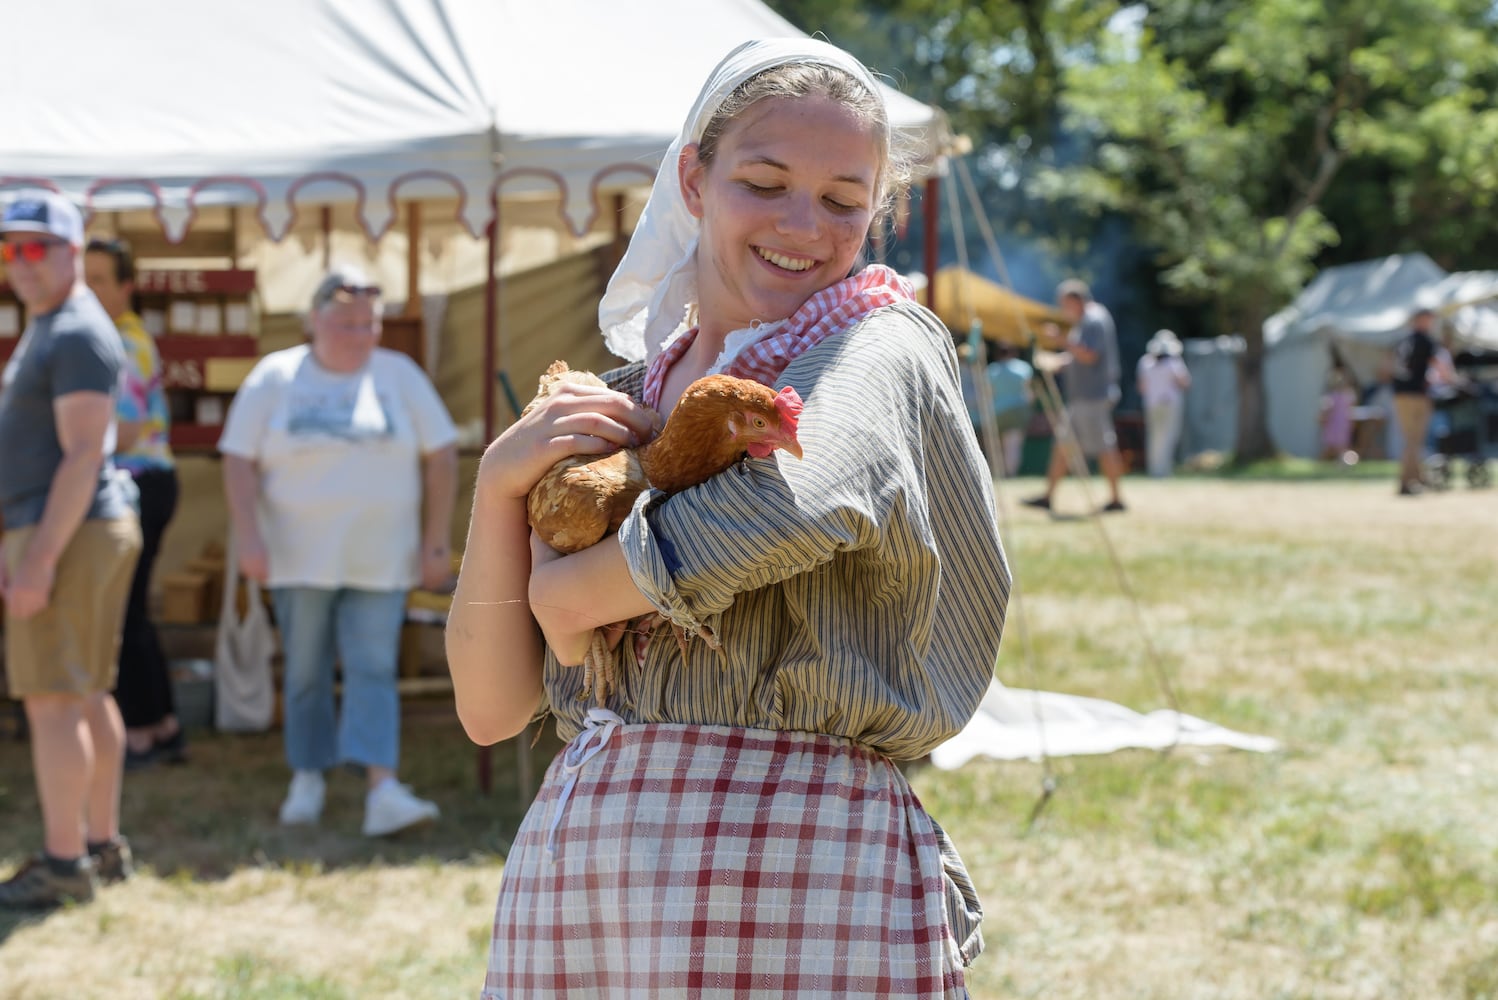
[1089,381]
[70,544]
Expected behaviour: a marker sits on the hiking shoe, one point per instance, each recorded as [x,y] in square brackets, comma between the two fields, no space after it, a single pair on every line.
[1039,503]
[38,885]
[390,807]
[139,760]
[1113,507]
[172,750]
[304,799]
[112,860]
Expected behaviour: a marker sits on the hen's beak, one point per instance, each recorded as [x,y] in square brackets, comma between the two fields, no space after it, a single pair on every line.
[790,444]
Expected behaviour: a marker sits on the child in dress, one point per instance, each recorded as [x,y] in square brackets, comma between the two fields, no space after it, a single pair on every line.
[1336,418]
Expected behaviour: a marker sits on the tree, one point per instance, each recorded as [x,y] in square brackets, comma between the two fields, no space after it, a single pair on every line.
[1242,142]
[1221,127]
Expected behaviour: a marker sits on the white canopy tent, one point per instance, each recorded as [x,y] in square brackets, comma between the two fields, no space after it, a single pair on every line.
[1360,311]
[172,105]
[488,107]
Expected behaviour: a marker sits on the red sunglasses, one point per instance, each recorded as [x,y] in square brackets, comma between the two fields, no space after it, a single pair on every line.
[32,251]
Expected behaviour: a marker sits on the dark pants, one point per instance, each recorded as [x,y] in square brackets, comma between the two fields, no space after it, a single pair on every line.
[144,687]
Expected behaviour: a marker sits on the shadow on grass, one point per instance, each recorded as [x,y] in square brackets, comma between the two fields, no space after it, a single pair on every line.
[1287,469]
[217,814]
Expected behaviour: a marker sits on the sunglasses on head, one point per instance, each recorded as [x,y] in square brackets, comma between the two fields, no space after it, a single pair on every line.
[31,251]
[344,293]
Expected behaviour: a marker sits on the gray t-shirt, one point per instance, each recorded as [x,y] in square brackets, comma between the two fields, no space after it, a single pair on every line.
[1097,380]
[74,348]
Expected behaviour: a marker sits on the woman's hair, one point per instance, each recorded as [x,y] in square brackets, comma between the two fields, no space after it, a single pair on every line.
[795,80]
[119,251]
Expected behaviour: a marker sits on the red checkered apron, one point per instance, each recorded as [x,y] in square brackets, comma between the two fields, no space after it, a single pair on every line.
[713,862]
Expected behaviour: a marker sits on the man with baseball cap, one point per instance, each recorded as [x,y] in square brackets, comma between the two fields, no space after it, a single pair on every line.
[69,549]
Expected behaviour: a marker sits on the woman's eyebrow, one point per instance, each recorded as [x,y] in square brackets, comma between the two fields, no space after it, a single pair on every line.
[770,161]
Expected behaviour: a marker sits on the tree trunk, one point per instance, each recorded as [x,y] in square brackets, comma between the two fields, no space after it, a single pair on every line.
[1254,443]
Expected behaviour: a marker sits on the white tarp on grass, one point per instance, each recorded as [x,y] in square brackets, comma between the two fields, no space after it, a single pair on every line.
[1016,724]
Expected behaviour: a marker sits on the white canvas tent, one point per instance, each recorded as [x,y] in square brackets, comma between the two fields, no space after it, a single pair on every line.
[1361,310]
[171,105]
[481,108]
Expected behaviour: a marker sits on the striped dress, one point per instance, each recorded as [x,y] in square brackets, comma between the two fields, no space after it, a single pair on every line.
[733,825]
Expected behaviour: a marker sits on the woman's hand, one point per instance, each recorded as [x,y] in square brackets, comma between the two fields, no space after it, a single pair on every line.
[574,420]
[254,559]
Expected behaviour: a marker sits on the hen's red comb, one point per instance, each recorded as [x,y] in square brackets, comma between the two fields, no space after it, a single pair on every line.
[788,404]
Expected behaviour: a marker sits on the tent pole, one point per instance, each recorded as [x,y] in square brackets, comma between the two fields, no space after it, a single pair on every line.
[413,258]
[325,215]
[491,371]
[929,203]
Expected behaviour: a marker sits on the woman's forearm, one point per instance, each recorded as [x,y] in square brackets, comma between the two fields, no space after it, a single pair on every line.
[493,649]
[439,474]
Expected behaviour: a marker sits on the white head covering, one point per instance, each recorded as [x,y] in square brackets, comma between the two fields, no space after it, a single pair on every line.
[647,298]
[1164,342]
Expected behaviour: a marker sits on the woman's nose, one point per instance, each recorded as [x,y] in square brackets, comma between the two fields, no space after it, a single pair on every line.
[798,216]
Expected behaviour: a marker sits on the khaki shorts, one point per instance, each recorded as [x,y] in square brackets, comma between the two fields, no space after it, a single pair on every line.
[72,645]
[1090,421]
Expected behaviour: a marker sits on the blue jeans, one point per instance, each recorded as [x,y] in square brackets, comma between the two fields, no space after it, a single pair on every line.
[361,630]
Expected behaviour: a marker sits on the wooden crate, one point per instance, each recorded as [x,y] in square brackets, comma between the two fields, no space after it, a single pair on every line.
[184,599]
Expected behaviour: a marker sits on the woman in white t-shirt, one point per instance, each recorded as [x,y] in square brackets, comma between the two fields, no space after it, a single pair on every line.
[340,465]
[1163,381]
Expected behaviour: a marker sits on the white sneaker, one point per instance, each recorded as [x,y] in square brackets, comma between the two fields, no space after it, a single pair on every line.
[304,799]
[391,807]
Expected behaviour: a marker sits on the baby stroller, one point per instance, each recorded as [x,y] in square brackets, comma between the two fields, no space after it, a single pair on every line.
[1465,423]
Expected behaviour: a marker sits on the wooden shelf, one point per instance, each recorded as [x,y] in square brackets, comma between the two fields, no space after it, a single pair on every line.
[195,437]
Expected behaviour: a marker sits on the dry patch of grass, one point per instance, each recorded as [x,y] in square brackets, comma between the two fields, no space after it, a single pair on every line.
[231,906]
[1361,863]
[1355,627]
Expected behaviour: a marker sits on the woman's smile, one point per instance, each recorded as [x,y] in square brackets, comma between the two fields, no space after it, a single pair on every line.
[785,262]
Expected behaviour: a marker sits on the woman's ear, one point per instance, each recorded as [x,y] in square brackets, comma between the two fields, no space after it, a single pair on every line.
[691,172]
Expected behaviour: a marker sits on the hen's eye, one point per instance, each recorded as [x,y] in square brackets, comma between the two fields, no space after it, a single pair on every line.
[759,423]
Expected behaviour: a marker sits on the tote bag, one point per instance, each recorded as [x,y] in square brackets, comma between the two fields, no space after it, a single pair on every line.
[243,691]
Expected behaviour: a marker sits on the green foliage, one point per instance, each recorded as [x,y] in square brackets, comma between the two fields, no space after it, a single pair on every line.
[1243,142]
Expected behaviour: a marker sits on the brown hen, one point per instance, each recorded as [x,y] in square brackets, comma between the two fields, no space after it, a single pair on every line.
[716,422]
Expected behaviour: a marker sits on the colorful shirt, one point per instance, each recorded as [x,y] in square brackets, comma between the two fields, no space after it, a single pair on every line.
[143,399]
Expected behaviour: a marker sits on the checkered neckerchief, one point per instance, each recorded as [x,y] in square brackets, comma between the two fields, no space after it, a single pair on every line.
[834,308]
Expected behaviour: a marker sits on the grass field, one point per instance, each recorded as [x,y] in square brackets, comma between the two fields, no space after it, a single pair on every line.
[1360,862]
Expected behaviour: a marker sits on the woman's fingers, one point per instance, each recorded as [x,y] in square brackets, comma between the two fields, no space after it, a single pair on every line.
[574,420]
[640,420]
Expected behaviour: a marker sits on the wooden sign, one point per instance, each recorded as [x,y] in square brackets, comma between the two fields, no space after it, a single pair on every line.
[195,282]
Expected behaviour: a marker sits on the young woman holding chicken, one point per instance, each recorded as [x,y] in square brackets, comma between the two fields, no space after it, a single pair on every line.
[731,823]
